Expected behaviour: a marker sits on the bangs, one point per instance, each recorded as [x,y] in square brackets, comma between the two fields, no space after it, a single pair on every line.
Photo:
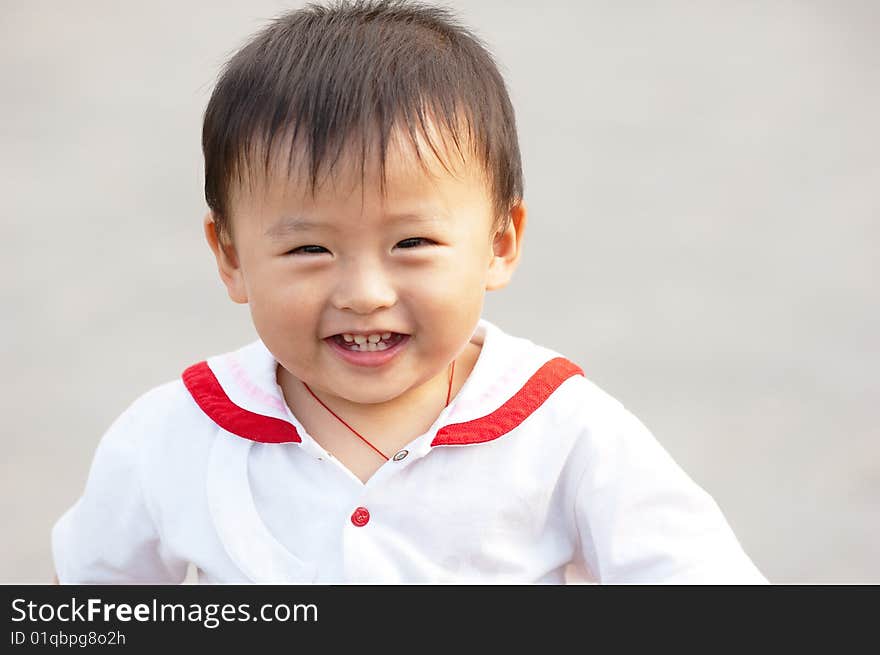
[291,153]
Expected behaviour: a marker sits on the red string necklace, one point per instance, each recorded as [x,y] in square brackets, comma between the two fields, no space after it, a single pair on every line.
[385,457]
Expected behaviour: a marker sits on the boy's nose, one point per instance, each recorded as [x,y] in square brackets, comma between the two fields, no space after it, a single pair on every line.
[364,289]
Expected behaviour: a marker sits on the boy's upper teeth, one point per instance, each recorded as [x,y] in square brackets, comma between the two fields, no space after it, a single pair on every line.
[365,338]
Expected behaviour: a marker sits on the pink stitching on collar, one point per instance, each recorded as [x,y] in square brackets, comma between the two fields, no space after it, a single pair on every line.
[244,381]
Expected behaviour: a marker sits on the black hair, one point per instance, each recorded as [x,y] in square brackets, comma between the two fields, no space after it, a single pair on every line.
[322,80]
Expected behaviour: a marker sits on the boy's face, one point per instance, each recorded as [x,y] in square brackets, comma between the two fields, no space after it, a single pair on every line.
[416,261]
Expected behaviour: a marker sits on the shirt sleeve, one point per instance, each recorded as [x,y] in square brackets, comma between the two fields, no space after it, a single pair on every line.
[641,519]
[109,536]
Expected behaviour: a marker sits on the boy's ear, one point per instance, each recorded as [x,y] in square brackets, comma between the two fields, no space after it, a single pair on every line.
[507,249]
[227,262]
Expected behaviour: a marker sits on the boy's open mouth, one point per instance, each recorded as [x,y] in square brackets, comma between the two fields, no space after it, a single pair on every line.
[368,343]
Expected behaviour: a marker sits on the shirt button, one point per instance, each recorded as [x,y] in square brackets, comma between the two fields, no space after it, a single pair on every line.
[399,456]
[360,517]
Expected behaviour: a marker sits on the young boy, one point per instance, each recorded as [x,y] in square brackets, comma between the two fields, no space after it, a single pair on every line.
[364,184]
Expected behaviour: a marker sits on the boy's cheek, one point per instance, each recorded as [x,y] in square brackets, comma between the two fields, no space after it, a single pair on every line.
[282,313]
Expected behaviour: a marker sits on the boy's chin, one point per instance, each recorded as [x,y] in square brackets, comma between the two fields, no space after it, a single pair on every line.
[378,395]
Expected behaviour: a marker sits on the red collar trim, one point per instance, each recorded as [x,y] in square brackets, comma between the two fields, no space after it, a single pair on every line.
[517,409]
[209,395]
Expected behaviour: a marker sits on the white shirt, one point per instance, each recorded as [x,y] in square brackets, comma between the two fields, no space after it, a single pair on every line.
[532,474]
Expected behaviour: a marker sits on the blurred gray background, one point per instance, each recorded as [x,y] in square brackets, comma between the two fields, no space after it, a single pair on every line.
[702,179]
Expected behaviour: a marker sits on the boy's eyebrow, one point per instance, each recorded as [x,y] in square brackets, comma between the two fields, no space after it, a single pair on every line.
[294,224]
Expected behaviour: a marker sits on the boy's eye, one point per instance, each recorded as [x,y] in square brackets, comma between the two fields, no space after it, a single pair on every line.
[306,252]
[416,240]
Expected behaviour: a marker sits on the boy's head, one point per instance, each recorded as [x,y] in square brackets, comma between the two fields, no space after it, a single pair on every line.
[386,128]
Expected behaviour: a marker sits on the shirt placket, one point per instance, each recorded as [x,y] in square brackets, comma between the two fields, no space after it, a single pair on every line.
[366,522]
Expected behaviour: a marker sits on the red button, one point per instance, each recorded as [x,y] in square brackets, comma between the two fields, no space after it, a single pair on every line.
[360,517]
